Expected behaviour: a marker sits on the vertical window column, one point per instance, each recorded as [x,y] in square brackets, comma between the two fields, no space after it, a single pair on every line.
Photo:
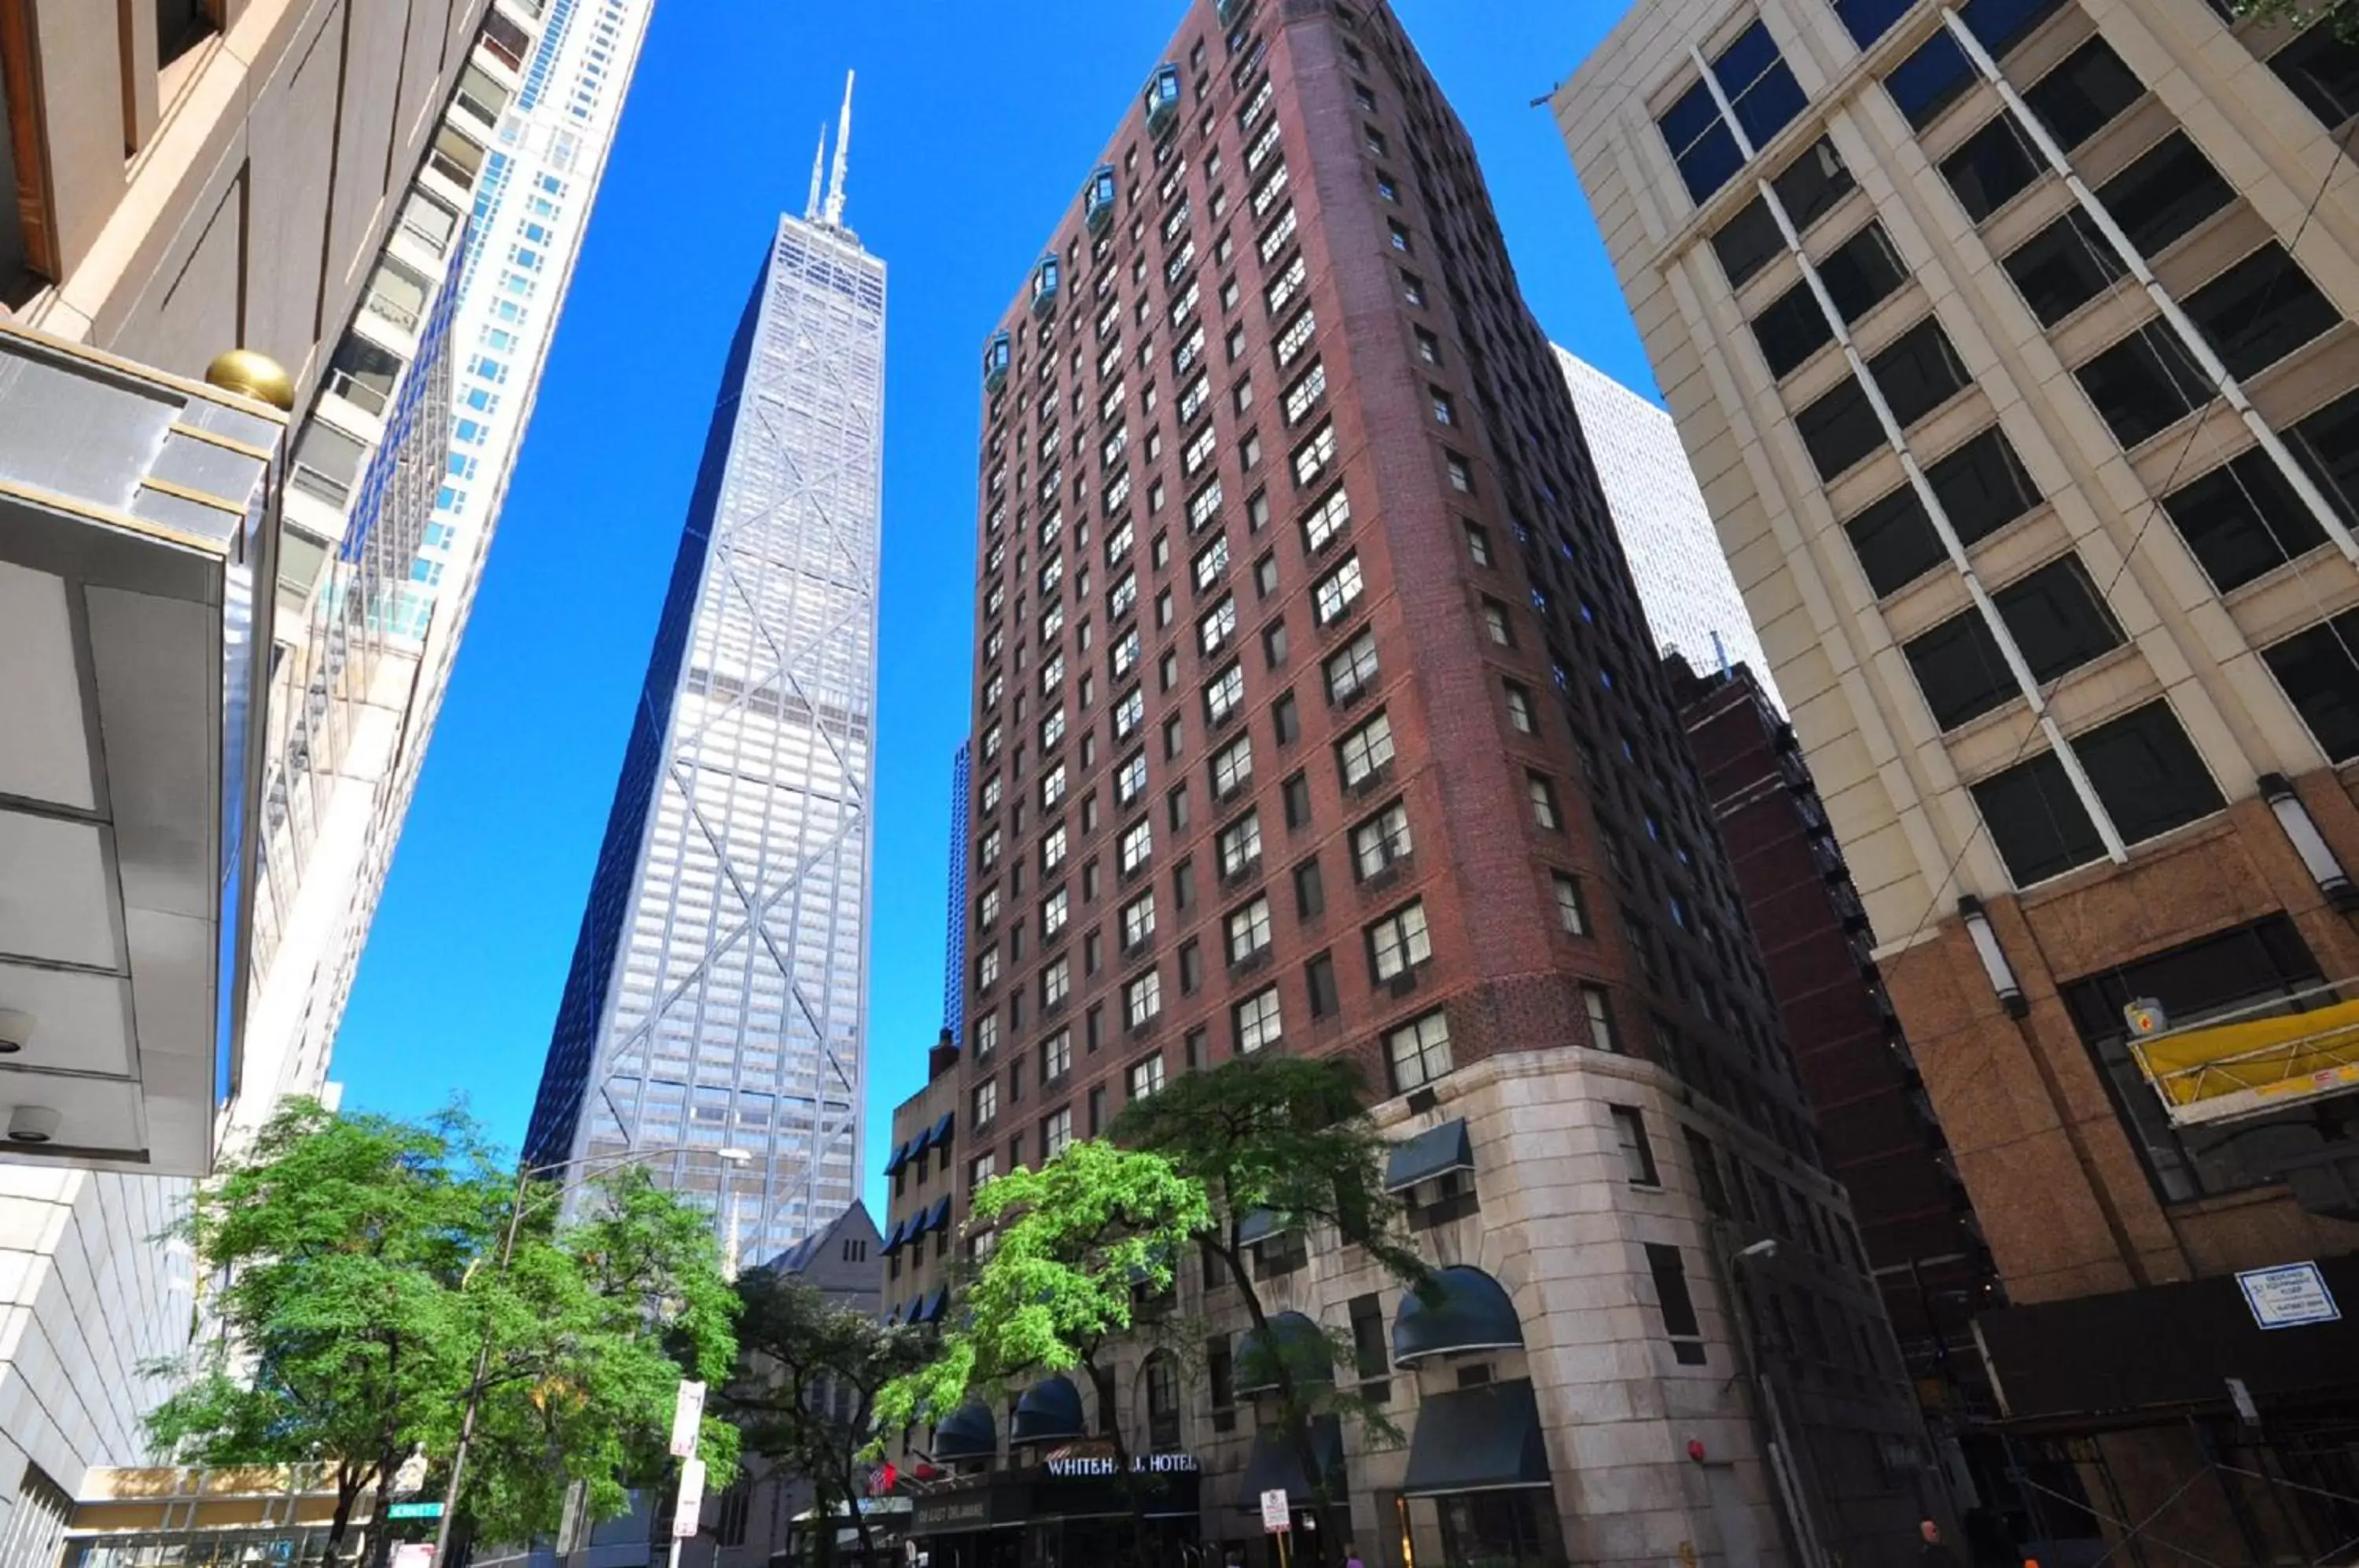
[1934,511]
[2224,382]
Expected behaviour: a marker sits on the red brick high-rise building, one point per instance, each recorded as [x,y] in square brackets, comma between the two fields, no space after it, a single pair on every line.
[1315,712]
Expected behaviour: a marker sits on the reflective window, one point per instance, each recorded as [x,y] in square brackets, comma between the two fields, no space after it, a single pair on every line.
[2320,671]
[2144,384]
[2259,311]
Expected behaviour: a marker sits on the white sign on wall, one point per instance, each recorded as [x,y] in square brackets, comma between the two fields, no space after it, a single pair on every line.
[1276,1516]
[2288,1296]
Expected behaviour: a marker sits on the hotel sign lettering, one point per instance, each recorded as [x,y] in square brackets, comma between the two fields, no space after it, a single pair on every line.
[1086,1464]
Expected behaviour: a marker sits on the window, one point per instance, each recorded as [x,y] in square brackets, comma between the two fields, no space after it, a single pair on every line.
[1147,1077]
[1495,622]
[1679,1324]
[2322,69]
[2242,520]
[1138,920]
[1130,778]
[986,1035]
[1543,797]
[1398,943]
[1381,841]
[2035,821]
[1310,893]
[2259,311]
[1226,692]
[1313,458]
[1445,411]
[983,1169]
[1296,792]
[2084,94]
[1052,849]
[1570,913]
[1191,967]
[1325,520]
[1478,545]
[1137,843]
[1240,845]
[1057,1056]
[1808,188]
[1142,999]
[1600,1010]
[1304,393]
[986,969]
[1520,715]
[2059,622]
[1053,913]
[1638,1153]
[2318,670]
[1860,274]
[1418,1052]
[1918,374]
[1056,1134]
[1362,754]
[1215,630]
[1981,487]
[1056,983]
[1052,787]
[2164,194]
[2144,384]
[1335,594]
[1350,669]
[1762,92]
[1460,474]
[1319,984]
[1232,766]
[2146,773]
[1257,1022]
[1211,562]
[1705,1162]
[2062,267]
[986,1101]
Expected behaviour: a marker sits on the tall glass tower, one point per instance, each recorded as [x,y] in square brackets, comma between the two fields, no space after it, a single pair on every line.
[718,993]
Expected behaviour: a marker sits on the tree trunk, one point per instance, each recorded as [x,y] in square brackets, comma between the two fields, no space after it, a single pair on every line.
[1130,1481]
[1296,1418]
[850,1462]
[380,1549]
[348,1492]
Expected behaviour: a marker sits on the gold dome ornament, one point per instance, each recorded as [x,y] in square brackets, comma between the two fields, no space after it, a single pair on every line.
[251,374]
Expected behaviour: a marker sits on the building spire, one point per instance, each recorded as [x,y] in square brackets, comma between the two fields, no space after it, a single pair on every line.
[819,162]
[833,216]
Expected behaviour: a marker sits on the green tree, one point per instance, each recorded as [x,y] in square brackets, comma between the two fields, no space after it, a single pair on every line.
[2343,14]
[1078,1240]
[359,1281]
[808,1375]
[342,1336]
[1288,1136]
[591,1326]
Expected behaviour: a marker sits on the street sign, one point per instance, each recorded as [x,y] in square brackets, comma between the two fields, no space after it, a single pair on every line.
[414,1510]
[687,1414]
[1276,1518]
[691,1497]
[2288,1296]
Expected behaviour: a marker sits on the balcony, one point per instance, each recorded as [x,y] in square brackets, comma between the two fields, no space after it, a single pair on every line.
[995,355]
[1098,199]
[138,536]
[1162,99]
[1045,279]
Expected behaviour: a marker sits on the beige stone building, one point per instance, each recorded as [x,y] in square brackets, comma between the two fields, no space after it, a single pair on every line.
[2011,343]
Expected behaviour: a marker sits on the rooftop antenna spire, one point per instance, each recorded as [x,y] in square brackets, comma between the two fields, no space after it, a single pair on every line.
[819,162]
[833,216]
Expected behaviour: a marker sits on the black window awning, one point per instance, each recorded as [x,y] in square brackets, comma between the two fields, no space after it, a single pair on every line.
[1274,1462]
[1437,1151]
[1049,1412]
[1484,1439]
[941,1133]
[940,1218]
[898,1159]
[1460,1312]
[968,1433]
[1292,1340]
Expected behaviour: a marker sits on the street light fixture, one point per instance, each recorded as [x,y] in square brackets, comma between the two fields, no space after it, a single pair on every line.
[1785,1459]
[525,1176]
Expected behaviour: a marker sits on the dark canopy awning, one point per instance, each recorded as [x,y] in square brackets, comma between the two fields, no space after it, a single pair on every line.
[915,1225]
[941,1133]
[1259,1225]
[1469,1311]
[1477,1440]
[1434,1152]
[940,1218]
[898,1159]
[1049,1412]
[930,1307]
[968,1433]
[895,1236]
[1308,1357]
[919,1144]
[1275,1463]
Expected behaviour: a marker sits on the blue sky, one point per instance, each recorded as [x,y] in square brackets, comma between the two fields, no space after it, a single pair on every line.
[974,127]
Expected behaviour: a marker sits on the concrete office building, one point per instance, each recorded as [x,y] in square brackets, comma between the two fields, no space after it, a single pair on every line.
[1316,710]
[718,995]
[1690,600]
[2011,343]
[180,181]
[386,540]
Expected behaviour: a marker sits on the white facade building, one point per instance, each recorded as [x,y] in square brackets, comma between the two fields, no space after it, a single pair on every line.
[382,550]
[1684,583]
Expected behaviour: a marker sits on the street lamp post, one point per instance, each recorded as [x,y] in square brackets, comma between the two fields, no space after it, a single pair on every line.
[525,1176]
[1784,1463]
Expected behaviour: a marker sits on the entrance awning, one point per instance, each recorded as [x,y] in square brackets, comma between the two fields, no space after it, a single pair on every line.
[1275,1463]
[2262,1064]
[1484,1439]
[1435,1152]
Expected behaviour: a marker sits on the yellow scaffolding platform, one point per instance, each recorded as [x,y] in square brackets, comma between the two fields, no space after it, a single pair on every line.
[2219,1072]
